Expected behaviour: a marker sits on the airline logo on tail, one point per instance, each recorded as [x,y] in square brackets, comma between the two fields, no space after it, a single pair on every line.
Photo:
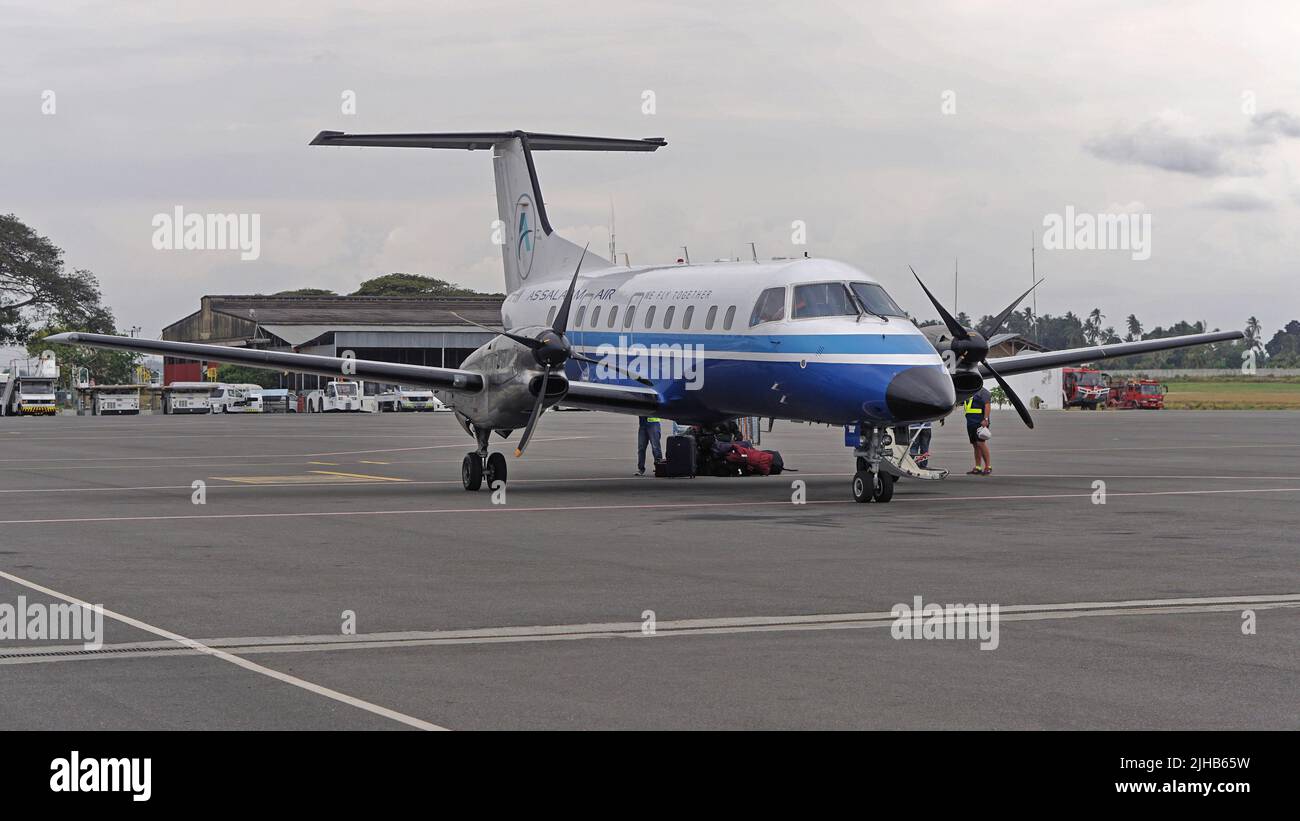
[525,240]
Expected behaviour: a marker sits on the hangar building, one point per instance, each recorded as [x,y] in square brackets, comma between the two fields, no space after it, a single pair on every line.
[416,331]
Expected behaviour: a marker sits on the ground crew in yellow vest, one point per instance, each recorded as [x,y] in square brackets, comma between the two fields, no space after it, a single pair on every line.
[977,416]
[647,433]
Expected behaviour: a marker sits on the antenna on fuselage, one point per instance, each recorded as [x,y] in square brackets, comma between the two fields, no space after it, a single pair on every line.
[613,248]
[954,285]
[686,255]
[753,250]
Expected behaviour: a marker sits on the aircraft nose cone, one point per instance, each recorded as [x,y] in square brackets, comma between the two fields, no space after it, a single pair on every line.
[920,394]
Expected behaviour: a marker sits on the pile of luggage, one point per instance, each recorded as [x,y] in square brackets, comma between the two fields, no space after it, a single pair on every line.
[717,451]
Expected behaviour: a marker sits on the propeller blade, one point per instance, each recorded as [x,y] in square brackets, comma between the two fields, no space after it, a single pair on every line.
[526,341]
[626,375]
[954,327]
[562,318]
[996,324]
[1015,400]
[537,414]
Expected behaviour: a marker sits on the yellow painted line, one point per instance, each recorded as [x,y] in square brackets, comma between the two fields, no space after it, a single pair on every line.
[303,479]
[359,476]
[368,462]
[332,464]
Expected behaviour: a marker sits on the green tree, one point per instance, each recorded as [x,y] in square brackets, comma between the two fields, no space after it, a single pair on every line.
[306,292]
[1134,328]
[240,375]
[35,288]
[104,367]
[1254,333]
[414,285]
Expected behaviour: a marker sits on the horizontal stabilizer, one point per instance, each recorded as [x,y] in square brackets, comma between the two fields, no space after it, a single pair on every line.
[472,140]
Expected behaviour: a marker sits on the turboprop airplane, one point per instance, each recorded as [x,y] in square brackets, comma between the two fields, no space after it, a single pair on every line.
[810,340]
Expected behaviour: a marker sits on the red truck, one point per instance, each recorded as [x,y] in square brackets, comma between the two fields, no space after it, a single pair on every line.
[1084,388]
[1132,394]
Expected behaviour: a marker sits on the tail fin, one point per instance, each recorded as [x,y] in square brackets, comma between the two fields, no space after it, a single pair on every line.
[530,250]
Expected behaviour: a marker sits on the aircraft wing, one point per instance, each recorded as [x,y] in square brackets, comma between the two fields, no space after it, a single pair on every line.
[1008,365]
[358,369]
[635,399]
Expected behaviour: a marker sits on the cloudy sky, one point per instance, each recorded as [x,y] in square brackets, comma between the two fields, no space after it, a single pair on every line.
[830,113]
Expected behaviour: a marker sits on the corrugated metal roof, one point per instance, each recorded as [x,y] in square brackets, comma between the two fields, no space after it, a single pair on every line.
[356,311]
[297,335]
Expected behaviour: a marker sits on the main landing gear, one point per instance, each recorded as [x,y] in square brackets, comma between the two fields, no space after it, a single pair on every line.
[479,464]
[870,482]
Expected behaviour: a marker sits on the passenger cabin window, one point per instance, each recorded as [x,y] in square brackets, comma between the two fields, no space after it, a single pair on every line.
[875,299]
[649,316]
[595,317]
[731,315]
[769,308]
[613,317]
[631,313]
[668,316]
[582,311]
[686,317]
[550,315]
[712,315]
[822,299]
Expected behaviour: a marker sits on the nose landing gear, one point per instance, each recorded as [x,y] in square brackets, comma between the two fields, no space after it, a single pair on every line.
[870,483]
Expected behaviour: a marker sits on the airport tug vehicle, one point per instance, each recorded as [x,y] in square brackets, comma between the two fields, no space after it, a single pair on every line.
[27,388]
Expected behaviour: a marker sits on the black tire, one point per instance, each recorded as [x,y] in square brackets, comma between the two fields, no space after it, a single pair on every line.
[471,471]
[884,488]
[496,469]
[863,464]
[863,486]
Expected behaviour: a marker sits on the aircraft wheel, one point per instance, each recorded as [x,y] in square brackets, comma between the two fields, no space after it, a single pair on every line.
[863,486]
[863,464]
[884,488]
[471,471]
[496,469]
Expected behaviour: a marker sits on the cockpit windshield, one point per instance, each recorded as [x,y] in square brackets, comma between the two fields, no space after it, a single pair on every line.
[874,298]
[822,299]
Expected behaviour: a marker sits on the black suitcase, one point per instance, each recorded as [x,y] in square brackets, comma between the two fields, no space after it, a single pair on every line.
[679,457]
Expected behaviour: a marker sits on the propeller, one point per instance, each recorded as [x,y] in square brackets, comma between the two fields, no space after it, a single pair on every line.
[971,347]
[551,350]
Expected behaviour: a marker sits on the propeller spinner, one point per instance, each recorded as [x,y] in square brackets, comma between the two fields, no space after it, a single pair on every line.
[971,347]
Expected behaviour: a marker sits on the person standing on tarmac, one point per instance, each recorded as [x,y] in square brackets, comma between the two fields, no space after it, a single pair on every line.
[977,416]
[647,433]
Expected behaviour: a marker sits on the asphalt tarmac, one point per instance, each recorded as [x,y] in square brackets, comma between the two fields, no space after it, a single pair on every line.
[590,598]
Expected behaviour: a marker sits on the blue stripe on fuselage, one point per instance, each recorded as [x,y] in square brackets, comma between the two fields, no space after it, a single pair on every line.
[857,343]
[822,392]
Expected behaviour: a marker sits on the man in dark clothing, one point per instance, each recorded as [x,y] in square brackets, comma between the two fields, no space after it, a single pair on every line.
[977,416]
[647,433]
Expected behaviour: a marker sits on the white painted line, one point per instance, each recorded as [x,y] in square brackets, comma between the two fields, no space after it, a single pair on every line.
[39,460]
[609,630]
[199,647]
[732,503]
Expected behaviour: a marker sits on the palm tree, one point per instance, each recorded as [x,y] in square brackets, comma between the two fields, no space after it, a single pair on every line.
[1134,328]
[1253,333]
[1092,326]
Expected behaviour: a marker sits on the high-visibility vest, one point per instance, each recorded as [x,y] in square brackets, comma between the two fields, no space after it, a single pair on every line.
[970,408]
[653,419]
